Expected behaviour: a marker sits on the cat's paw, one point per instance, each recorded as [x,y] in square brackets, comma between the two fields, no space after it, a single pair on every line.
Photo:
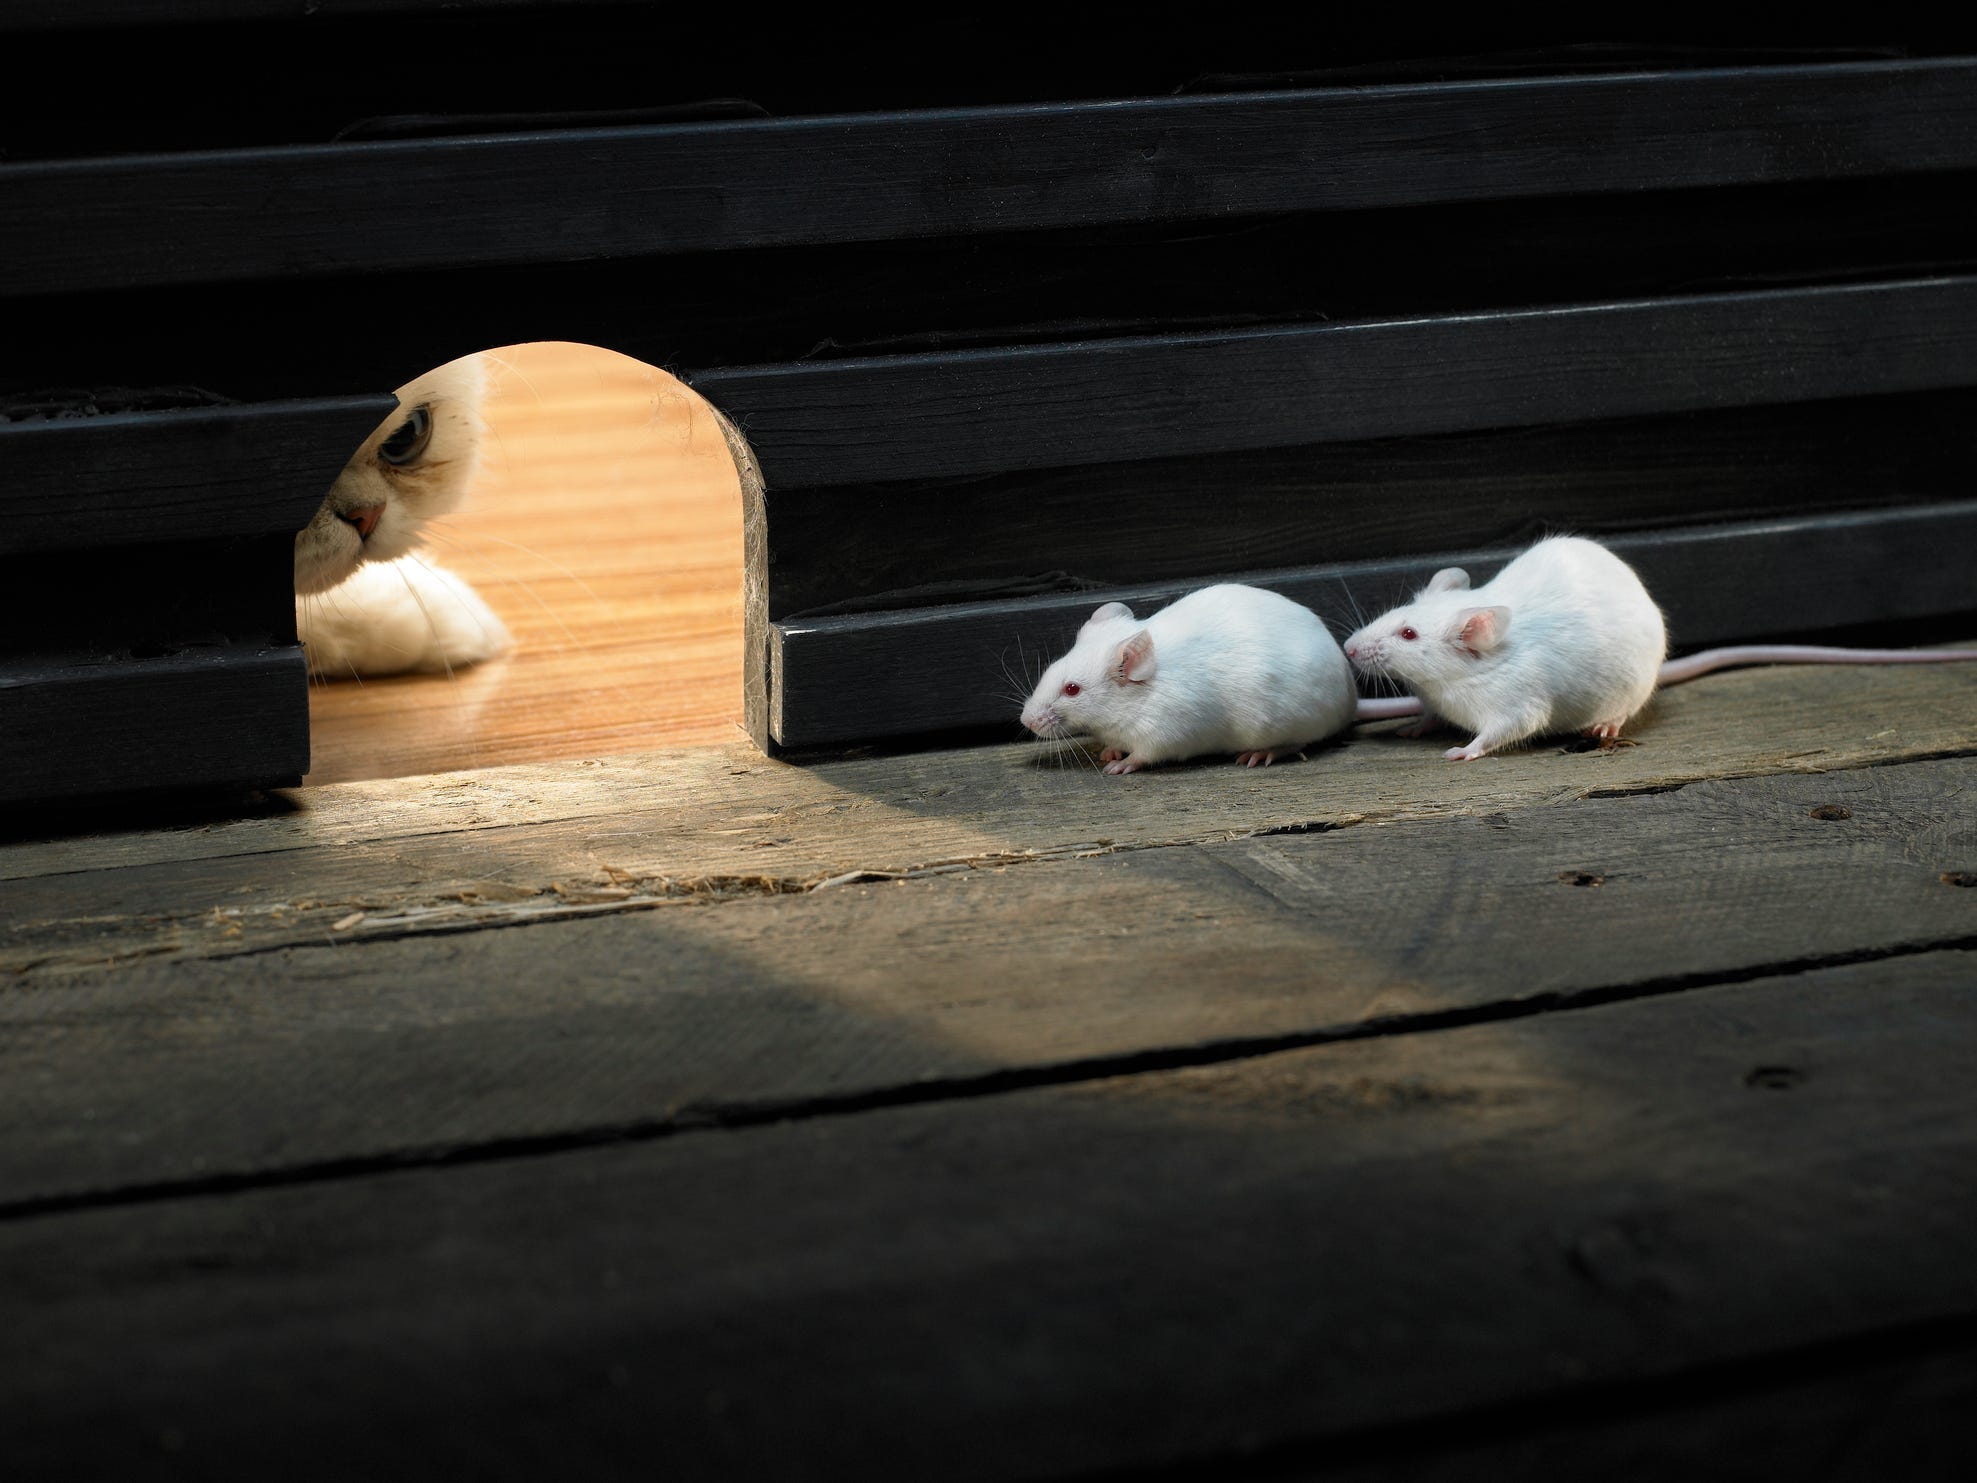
[390,617]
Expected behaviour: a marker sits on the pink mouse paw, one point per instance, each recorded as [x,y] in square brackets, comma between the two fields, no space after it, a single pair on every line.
[1255,759]
[1605,730]
[1111,754]
[1465,754]
[1121,763]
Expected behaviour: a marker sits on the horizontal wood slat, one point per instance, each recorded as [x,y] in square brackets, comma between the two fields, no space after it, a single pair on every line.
[835,681]
[935,415]
[234,715]
[137,478]
[362,208]
[860,547]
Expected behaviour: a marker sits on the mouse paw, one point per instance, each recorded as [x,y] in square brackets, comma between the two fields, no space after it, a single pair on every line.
[1466,754]
[1123,764]
[1112,754]
[1421,727]
[1604,730]
[1255,759]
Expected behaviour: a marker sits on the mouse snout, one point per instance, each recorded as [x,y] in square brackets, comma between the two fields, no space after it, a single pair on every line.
[1364,652]
[1041,719]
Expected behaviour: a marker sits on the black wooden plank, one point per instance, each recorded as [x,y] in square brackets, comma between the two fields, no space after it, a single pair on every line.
[989,411]
[111,14]
[210,716]
[769,305]
[1168,1268]
[232,215]
[137,478]
[841,680]
[855,548]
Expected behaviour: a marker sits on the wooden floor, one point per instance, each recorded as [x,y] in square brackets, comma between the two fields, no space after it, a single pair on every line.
[606,531]
[688,1115]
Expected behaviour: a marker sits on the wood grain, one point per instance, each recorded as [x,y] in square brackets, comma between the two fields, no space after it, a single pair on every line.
[606,531]
[739,1002]
[1113,1275]
[508,846]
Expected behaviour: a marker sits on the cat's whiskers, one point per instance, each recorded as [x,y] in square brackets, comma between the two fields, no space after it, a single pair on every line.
[466,607]
[457,540]
[440,527]
[447,537]
[432,627]
[316,602]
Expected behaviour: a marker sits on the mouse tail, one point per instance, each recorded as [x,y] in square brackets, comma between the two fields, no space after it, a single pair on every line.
[1385,709]
[1689,667]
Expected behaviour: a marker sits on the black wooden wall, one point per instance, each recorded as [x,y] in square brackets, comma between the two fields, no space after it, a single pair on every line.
[1012,328]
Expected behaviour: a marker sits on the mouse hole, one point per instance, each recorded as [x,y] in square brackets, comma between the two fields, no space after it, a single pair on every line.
[602,526]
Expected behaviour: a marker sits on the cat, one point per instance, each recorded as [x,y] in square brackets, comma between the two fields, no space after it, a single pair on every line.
[366,604]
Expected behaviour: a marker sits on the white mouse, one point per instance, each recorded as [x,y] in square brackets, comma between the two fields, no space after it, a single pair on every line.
[1564,638]
[1225,669]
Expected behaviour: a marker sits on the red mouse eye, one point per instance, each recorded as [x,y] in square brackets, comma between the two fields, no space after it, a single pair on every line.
[1073,688]
[1409,634]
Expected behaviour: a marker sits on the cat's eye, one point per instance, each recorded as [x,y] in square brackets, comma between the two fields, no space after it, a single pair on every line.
[408,440]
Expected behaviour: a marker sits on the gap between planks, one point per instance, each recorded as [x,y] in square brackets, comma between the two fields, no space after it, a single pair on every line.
[1346,1238]
[741,1116]
[633,1027]
[595,836]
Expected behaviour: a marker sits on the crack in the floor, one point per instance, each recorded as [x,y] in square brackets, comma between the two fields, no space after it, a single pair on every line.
[741,1116]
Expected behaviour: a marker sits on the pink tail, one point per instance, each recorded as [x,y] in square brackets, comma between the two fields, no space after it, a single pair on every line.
[1675,671]
[1386,710]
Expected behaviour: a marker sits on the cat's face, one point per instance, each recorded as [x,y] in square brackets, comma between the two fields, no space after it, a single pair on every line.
[416,466]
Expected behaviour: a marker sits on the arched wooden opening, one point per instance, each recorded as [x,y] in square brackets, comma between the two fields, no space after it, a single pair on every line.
[604,529]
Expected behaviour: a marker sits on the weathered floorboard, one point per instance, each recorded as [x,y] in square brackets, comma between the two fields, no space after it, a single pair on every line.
[1119,1274]
[761,1005]
[1892,1405]
[519,844]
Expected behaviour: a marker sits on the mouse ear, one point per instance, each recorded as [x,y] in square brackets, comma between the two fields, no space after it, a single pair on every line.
[1133,663]
[1110,611]
[1448,579]
[1480,630]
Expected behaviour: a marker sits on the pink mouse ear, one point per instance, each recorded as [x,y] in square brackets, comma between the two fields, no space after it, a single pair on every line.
[1133,664]
[1108,612]
[1448,579]
[1481,629]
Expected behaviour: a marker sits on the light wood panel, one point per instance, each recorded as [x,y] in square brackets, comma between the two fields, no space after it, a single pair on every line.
[606,532]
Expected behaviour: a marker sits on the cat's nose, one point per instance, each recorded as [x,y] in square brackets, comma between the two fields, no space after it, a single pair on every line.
[365,520]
